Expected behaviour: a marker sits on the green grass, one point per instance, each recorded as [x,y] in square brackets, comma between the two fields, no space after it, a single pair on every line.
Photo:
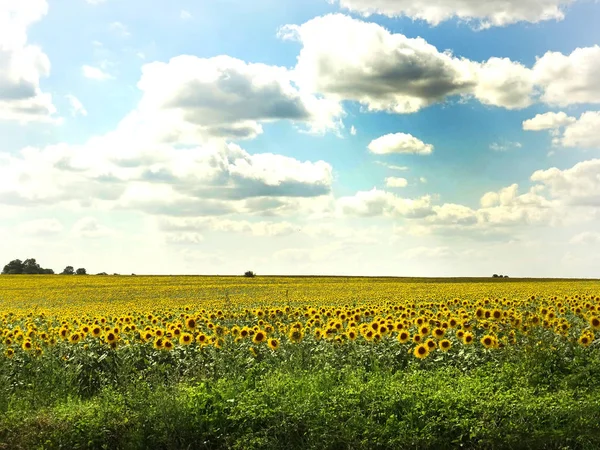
[313,397]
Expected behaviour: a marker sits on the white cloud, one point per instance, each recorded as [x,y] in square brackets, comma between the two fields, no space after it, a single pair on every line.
[569,131]
[89,227]
[41,227]
[22,64]
[77,108]
[95,73]
[185,15]
[504,146]
[569,79]
[548,121]
[353,130]
[483,14]
[452,214]
[125,171]
[583,132]
[399,143]
[502,82]
[578,185]
[348,59]
[396,182]
[119,29]
[382,203]
[423,180]
[222,96]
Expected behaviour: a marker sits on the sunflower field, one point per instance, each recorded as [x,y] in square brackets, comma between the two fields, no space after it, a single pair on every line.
[298,362]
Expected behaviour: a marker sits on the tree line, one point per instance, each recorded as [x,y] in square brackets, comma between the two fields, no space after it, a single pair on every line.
[31,267]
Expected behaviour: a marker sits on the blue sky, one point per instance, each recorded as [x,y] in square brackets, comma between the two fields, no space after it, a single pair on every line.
[430,138]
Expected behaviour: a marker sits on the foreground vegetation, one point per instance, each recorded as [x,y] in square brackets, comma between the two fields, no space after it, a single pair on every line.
[208,362]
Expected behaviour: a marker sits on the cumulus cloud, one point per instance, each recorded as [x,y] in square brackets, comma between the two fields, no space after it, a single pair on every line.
[22,65]
[578,185]
[569,131]
[215,179]
[548,121]
[502,82]
[382,203]
[399,143]
[396,182]
[226,97]
[569,79]
[483,14]
[346,58]
[583,132]
[350,59]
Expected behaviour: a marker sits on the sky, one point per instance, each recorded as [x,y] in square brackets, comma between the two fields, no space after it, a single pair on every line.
[334,137]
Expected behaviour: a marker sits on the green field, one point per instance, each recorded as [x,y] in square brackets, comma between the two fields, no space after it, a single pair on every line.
[332,371]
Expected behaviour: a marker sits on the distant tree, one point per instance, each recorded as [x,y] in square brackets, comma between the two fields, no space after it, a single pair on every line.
[102,273]
[15,267]
[81,271]
[495,275]
[249,274]
[27,267]
[68,271]
[31,267]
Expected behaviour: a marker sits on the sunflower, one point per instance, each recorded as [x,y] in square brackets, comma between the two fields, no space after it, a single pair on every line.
[273,344]
[403,336]
[595,323]
[168,345]
[585,340]
[295,335]
[27,345]
[186,339]
[9,352]
[259,337]
[159,343]
[431,344]
[488,341]
[468,338]
[110,337]
[351,334]
[190,323]
[74,338]
[421,351]
[202,339]
[445,345]
[439,333]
